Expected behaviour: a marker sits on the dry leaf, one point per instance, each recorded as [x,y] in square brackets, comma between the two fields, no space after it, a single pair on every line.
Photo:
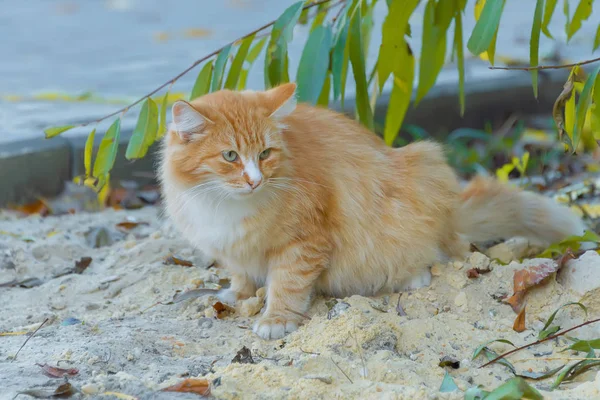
[191,385]
[519,325]
[82,264]
[473,273]
[222,310]
[558,110]
[529,277]
[36,207]
[129,225]
[55,372]
[243,356]
[64,390]
[172,260]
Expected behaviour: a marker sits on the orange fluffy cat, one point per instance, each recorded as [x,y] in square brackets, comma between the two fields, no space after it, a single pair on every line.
[306,201]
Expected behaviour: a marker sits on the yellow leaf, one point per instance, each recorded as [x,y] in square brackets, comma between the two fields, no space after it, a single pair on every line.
[197,33]
[503,172]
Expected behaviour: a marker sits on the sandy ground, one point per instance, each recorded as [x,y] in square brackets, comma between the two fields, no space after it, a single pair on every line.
[349,348]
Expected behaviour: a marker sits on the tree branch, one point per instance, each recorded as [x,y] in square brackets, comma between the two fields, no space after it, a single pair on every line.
[197,62]
[539,341]
[540,67]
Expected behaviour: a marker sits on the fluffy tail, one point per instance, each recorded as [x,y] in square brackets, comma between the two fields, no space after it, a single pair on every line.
[491,210]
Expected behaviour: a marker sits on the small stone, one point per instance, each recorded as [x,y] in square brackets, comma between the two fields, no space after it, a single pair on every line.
[90,388]
[458,265]
[156,235]
[210,312]
[251,306]
[479,261]
[460,299]
[130,244]
[338,309]
[130,357]
[583,274]
[436,269]
[205,323]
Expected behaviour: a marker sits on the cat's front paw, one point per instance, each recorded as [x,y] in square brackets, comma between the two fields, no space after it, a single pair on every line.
[275,327]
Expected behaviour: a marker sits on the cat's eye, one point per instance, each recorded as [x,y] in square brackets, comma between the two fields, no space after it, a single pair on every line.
[265,154]
[230,155]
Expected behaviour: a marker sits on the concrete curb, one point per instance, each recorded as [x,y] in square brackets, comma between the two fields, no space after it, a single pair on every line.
[37,167]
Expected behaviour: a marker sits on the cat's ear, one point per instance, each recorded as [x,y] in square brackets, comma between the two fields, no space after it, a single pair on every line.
[282,100]
[187,120]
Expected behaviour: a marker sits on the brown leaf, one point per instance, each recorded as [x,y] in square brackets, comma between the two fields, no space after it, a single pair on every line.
[473,273]
[37,207]
[82,264]
[529,277]
[243,356]
[191,385]
[519,325]
[172,260]
[222,310]
[568,255]
[64,390]
[558,110]
[129,225]
[55,372]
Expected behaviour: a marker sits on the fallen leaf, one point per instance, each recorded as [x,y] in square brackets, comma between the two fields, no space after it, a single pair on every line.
[82,264]
[448,361]
[172,260]
[64,390]
[472,273]
[55,372]
[129,225]
[528,277]
[27,283]
[37,207]
[448,384]
[191,385]
[243,356]
[222,310]
[519,325]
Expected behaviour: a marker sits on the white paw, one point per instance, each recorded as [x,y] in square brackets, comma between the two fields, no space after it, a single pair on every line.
[419,280]
[227,296]
[274,327]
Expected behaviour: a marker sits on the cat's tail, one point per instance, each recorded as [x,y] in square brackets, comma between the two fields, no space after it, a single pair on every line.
[491,210]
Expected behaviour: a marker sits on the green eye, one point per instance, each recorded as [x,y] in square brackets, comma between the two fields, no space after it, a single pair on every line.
[230,155]
[265,154]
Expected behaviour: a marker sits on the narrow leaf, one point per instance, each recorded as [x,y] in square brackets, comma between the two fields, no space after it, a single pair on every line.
[486,27]
[570,122]
[553,315]
[57,130]
[238,62]
[548,12]
[597,39]
[514,389]
[393,31]
[145,130]
[252,56]
[324,96]
[87,154]
[357,59]
[448,384]
[559,109]
[582,13]
[338,59]
[460,59]
[585,345]
[320,16]
[162,125]
[107,152]
[480,348]
[585,100]
[276,56]
[202,85]
[217,79]
[314,63]
[534,44]
[400,95]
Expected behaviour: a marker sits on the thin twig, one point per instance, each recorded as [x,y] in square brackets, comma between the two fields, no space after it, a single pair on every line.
[194,64]
[555,359]
[27,340]
[540,67]
[338,367]
[539,341]
[309,352]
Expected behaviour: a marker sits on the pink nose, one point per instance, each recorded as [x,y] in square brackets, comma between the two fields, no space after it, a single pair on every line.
[254,184]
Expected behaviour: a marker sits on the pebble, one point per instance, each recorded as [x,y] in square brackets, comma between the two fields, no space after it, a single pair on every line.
[436,269]
[90,388]
[251,306]
[479,261]
[460,299]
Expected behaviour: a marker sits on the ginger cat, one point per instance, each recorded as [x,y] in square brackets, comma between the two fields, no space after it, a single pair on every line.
[306,201]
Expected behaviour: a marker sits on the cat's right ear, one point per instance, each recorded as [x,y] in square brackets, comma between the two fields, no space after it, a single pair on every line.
[188,122]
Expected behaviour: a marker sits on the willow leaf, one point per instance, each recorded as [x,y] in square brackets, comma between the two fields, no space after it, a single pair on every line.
[486,27]
[460,59]
[238,62]
[582,13]
[162,125]
[217,79]
[57,130]
[202,84]
[534,44]
[252,56]
[87,153]
[145,130]
[357,59]
[107,152]
[314,64]
[548,12]
[400,95]
[584,103]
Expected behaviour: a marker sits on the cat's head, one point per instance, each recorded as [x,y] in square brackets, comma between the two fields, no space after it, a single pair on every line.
[231,141]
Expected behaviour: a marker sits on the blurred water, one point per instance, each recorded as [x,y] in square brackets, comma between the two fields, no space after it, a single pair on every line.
[128,47]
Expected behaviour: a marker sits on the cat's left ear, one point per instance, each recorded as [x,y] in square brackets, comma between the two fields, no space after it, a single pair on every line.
[187,120]
[283,100]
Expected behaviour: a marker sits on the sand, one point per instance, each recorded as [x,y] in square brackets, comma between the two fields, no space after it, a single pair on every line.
[355,347]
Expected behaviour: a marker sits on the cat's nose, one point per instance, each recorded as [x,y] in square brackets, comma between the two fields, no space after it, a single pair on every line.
[254,183]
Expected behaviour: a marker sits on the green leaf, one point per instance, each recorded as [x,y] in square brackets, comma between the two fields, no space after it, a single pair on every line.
[545,332]
[314,64]
[324,96]
[597,39]
[202,84]
[448,384]
[585,345]
[217,79]
[572,371]
[514,389]
[367,27]
[570,122]
[400,95]
[276,56]
[460,59]
[339,58]
[486,27]
[145,130]
[548,12]
[393,31]
[475,393]
[582,13]
[107,152]
[252,56]
[57,130]
[480,348]
[433,50]
[320,16]
[584,103]
[357,59]
[162,125]
[534,44]
[238,62]
[572,242]
[87,154]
